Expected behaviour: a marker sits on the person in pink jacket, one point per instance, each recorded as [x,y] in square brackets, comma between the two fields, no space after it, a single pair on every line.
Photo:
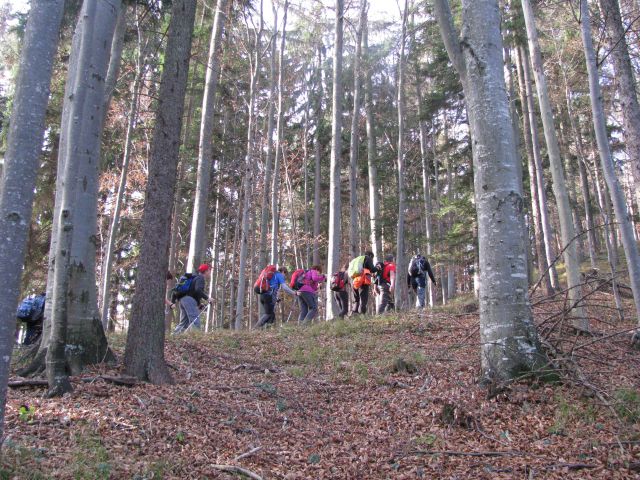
[308,294]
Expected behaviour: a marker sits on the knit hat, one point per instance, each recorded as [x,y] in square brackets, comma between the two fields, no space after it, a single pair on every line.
[204,268]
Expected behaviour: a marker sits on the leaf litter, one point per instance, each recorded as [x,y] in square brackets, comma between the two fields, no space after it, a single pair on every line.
[380,397]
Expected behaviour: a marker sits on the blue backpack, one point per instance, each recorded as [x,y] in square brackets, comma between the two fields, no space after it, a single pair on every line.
[31,308]
[184,285]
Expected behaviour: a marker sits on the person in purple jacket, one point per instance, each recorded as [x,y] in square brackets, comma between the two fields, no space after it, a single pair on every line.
[308,294]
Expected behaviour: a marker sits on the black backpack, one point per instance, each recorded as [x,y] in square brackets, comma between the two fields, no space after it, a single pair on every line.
[417,266]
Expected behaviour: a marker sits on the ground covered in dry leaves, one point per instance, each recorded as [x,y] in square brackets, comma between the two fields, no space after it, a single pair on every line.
[383,397]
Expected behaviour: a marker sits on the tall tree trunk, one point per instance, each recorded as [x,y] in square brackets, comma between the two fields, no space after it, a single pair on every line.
[21,161]
[198,238]
[268,168]
[333,252]
[144,352]
[374,198]
[567,232]
[401,294]
[81,127]
[317,153]
[507,332]
[545,221]
[248,174]
[528,129]
[606,160]
[107,264]
[275,189]
[626,82]
[584,182]
[115,57]
[355,137]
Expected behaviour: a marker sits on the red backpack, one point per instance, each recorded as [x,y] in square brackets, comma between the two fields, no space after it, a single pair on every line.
[297,279]
[337,282]
[262,283]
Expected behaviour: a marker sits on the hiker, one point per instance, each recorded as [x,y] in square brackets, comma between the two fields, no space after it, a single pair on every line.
[267,286]
[308,294]
[31,312]
[190,291]
[419,268]
[339,284]
[360,270]
[386,284]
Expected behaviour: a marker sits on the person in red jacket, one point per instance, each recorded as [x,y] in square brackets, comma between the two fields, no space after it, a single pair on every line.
[386,285]
[308,294]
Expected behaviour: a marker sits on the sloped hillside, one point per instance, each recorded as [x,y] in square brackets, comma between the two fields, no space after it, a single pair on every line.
[383,397]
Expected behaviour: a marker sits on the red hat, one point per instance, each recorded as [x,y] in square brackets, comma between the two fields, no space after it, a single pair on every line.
[204,268]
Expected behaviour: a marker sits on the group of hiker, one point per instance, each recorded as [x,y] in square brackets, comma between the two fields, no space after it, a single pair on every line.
[350,285]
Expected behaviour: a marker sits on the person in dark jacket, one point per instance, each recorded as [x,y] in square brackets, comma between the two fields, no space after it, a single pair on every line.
[419,268]
[190,302]
[342,296]
[360,296]
[268,300]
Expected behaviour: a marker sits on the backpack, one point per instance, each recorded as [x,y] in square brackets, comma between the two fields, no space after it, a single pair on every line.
[356,266]
[362,280]
[184,285]
[262,283]
[337,282]
[297,279]
[385,272]
[416,266]
[31,308]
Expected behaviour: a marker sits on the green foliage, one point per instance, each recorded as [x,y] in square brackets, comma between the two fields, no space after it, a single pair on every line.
[628,404]
[26,413]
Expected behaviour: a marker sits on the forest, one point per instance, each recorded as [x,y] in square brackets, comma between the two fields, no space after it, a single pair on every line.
[319,239]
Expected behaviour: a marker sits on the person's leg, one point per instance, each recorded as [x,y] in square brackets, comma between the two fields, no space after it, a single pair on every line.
[342,298]
[191,308]
[355,299]
[384,298]
[302,305]
[266,301]
[311,300]
[184,319]
[364,299]
[420,302]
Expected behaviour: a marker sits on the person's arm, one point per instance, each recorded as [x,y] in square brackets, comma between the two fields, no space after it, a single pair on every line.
[288,289]
[392,278]
[199,289]
[430,272]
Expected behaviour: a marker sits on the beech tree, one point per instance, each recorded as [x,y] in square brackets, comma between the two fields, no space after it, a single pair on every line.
[509,342]
[144,352]
[335,230]
[606,159]
[21,161]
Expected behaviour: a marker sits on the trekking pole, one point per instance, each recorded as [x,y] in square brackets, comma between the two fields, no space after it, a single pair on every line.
[197,317]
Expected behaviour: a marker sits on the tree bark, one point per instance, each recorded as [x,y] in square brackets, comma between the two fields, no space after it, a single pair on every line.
[275,189]
[21,162]
[333,251]
[268,168]
[528,132]
[198,239]
[507,332]
[144,353]
[626,82]
[107,263]
[317,154]
[401,295]
[567,230]
[248,175]
[606,160]
[355,137]
[374,198]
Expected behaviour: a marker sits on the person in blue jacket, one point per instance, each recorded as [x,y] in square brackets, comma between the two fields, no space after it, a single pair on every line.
[269,299]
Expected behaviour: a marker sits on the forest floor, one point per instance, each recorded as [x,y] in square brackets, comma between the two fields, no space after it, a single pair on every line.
[334,401]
